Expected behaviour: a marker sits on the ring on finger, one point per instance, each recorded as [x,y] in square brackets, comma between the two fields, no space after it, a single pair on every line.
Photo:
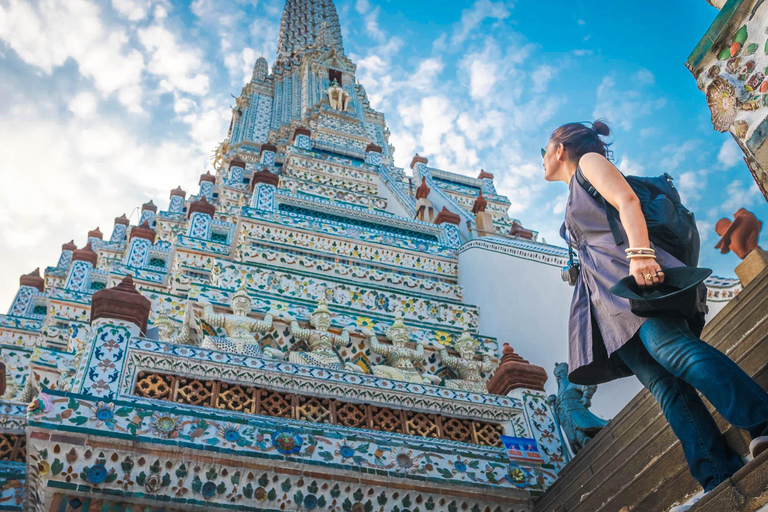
[648,277]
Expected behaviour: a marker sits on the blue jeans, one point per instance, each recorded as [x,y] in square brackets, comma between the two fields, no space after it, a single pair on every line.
[672,363]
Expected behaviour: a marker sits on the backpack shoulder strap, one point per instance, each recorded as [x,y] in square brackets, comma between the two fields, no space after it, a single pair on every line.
[610,211]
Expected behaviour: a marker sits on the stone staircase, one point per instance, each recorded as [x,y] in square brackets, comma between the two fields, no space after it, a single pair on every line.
[636,463]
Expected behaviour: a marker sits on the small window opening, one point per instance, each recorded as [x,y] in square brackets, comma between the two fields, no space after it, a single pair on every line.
[334,75]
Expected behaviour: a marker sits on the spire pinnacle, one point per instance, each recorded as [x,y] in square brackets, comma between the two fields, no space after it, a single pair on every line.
[308,23]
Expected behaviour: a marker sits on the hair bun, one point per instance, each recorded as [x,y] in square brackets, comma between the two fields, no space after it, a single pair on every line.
[601,128]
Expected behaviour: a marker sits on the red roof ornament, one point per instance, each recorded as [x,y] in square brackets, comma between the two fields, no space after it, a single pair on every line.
[236,162]
[301,130]
[515,372]
[423,191]
[202,206]
[122,220]
[33,279]
[445,215]
[69,246]
[264,176]
[418,159]
[373,148]
[122,302]
[519,231]
[480,203]
[143,231]
[178,192]
[207,177]
[485,175]
[268,147]
[85,254]
[95,233]
[149,206]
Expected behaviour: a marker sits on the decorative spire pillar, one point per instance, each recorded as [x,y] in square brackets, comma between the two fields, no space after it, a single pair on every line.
[207,181]
[487,180]
[268,152]
[141,239]
[301,138]
[121,226]
[373,154]
[447,216]
[117,315]
[29,285]
[66,254]
[200,214]
[260,70]
[425,210]
[236,171]
[95,237]
[83,262]
[264,185]
[177,200]
[148,212]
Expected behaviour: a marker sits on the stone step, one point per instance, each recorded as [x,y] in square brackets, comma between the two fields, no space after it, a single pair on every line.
[746,491]
[636,463]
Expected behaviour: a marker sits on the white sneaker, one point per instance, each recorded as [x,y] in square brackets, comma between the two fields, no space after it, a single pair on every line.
[758,446]
[688,504]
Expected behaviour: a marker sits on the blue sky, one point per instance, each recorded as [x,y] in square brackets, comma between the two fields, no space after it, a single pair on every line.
[104,105]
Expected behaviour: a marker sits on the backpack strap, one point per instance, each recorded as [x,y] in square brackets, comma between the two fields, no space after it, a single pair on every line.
[610,211]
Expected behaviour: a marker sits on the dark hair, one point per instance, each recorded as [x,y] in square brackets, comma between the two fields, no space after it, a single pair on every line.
[580,139]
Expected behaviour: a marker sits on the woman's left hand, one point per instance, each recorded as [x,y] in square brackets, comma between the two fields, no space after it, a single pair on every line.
[642,268]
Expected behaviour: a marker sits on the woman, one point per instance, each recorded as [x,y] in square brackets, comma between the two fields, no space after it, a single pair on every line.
[607,341]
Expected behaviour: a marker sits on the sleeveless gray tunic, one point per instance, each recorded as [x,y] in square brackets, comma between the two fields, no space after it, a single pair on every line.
[601,322]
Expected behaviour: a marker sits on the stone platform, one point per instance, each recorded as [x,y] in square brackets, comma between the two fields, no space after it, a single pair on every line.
[636,463]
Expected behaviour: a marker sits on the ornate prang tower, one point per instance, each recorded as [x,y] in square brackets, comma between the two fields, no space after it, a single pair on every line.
[290,336]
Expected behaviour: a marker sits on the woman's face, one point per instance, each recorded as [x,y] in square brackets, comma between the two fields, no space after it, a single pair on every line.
[553,159]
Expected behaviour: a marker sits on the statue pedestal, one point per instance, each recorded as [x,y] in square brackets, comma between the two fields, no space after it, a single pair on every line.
[752,266]
[484,224]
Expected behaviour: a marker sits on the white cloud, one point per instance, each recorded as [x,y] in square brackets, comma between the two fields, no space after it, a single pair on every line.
[645,77]
[623,107]
[690,185]
[673,155]
[84,105]
[133,10]
[630,167]
[541,77]
[730,154]
[473,17]
[740,195]
[48,34]
[177,65]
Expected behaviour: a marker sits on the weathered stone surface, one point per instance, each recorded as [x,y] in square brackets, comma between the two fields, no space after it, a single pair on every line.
[752,266]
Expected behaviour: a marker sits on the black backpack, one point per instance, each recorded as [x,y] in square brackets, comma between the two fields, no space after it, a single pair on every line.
[671,226]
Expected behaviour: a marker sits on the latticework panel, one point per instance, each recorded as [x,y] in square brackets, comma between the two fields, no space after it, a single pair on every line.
[235,397]
[251,400]
[314,409]
[13,447]
[457,429]
[388,420]
[351,415]
[488,434]
[275,403]
[194,392]
[420,424]
[154,385]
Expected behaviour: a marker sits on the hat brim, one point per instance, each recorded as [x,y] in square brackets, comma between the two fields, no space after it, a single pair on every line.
[676,281]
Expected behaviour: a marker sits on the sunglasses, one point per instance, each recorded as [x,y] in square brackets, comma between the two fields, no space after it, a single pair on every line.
[543,152]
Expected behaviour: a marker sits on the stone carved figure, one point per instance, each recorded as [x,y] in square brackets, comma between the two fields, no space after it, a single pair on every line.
[338,98]
[320,341]
[167,330]
[465,366]
[739,236]
[239,327]
[400,359]
[571,407]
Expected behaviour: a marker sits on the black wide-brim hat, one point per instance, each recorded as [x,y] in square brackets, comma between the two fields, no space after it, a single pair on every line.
[675,297]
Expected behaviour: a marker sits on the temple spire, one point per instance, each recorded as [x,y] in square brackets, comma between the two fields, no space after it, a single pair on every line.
[308,23]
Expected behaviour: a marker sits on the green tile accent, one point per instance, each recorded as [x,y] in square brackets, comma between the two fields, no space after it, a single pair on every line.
[716,31]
